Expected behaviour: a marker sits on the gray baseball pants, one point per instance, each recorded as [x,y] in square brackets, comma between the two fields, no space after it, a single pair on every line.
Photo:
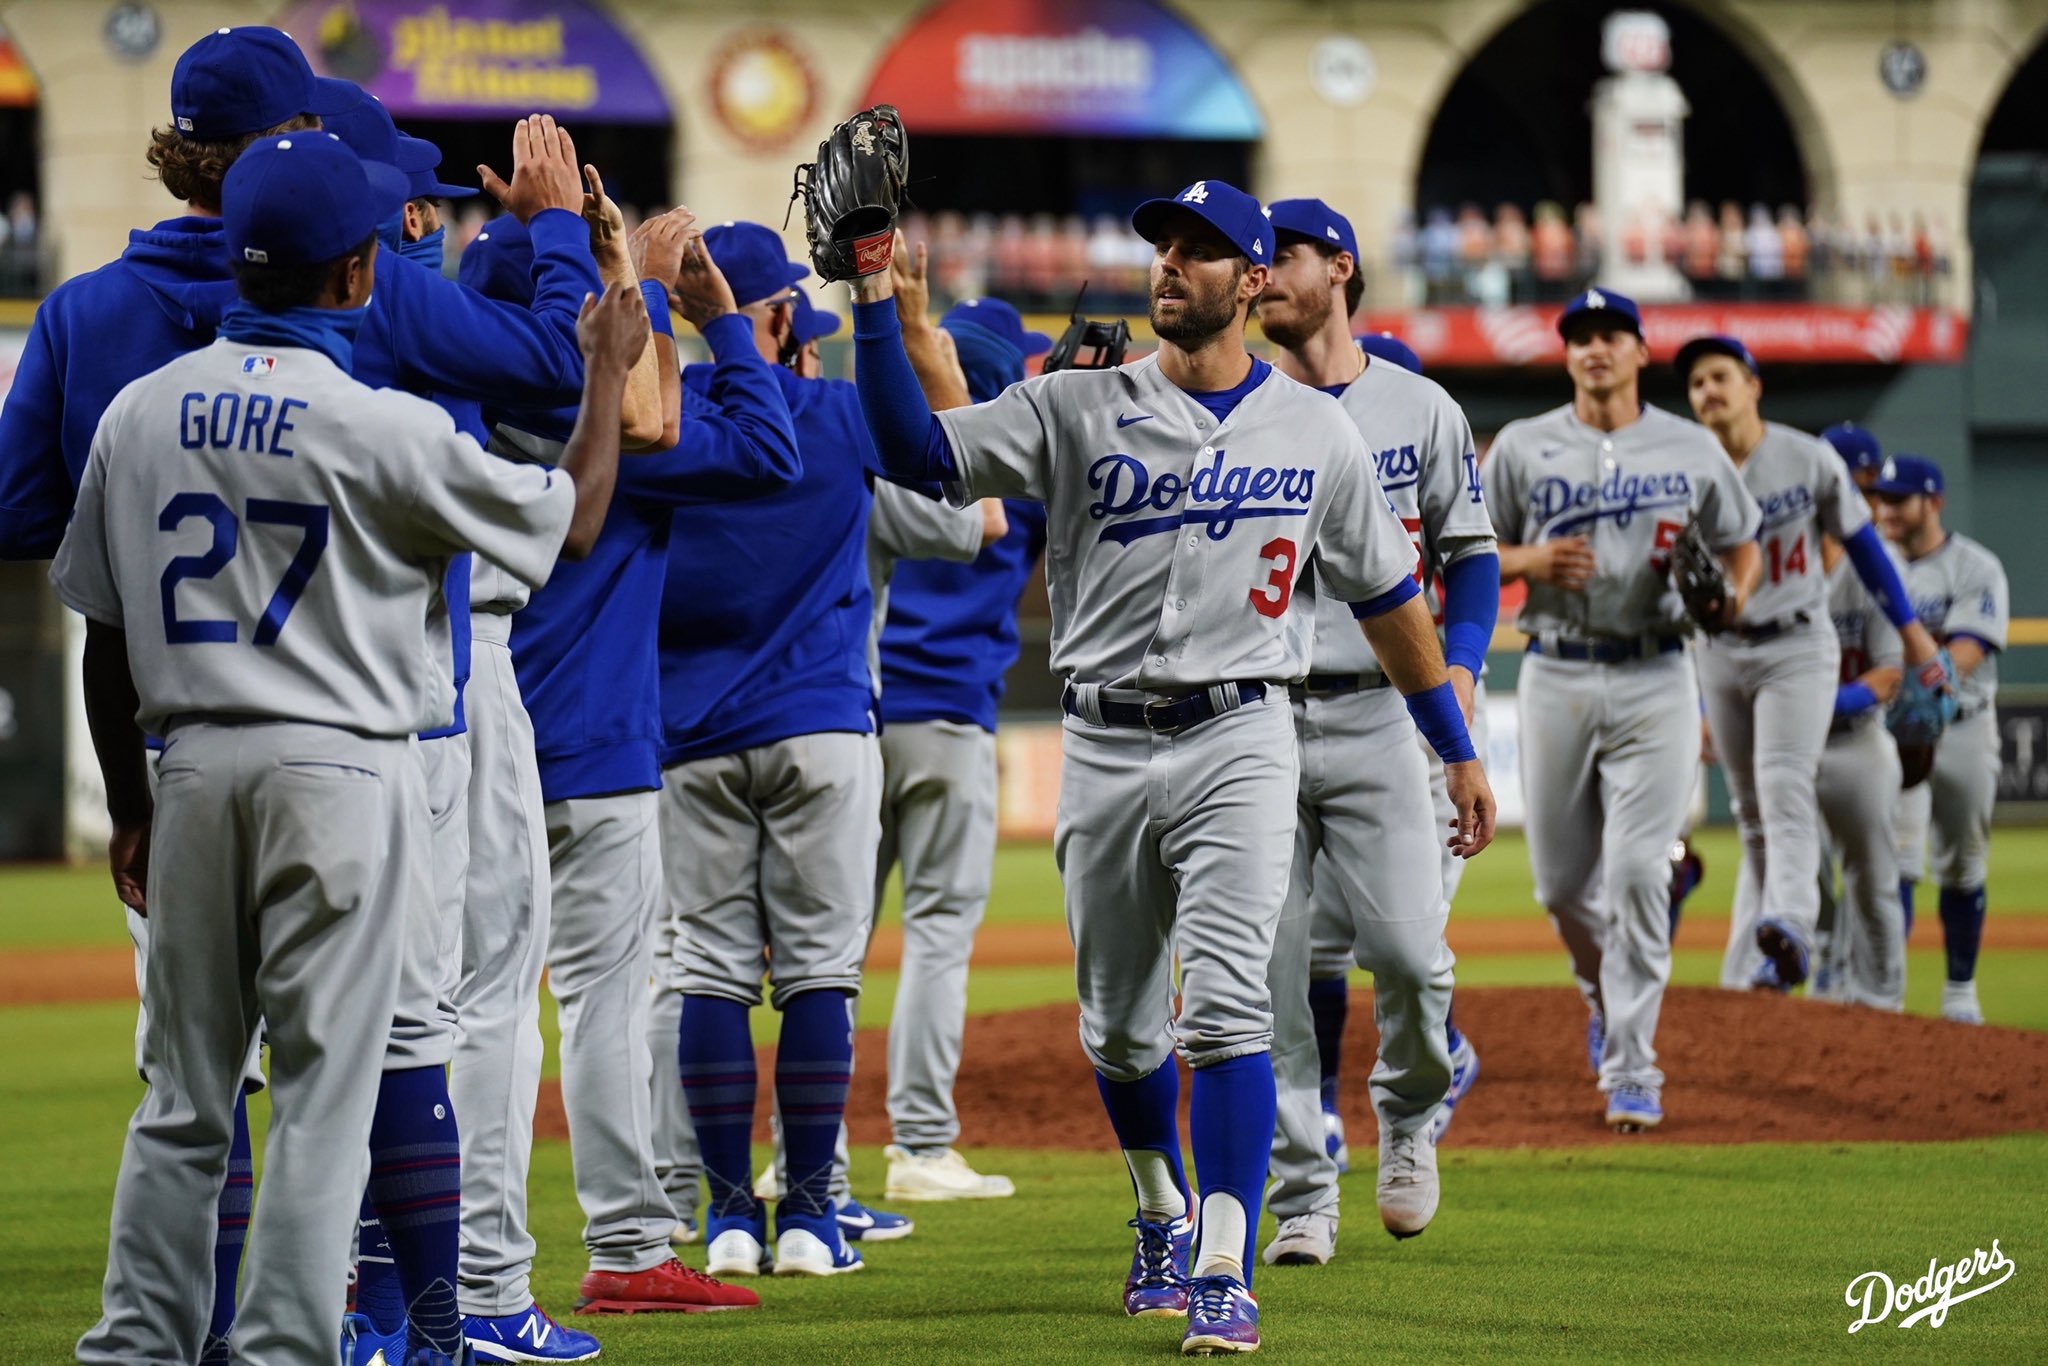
[1366,837]
[294,851]
[1768,705]
[1610,754]
[495,1077]
[939,820]
[1858,789]
[1955,803]
[605,853]
[1176,845]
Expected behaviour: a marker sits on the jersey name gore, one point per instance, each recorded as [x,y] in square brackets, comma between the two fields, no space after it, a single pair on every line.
[1215,495]
[1566,505]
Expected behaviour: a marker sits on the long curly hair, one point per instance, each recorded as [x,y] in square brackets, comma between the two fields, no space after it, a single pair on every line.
[193,170]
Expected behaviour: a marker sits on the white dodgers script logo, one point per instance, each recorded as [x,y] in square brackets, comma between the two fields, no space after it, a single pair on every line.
[1874,1297]
[1216,496]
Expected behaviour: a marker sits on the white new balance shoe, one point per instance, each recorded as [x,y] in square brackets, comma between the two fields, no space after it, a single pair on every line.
[1408,1189]
[940,1175]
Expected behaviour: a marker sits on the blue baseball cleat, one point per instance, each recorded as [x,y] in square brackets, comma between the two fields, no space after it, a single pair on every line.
[1157,1286]
[363,1345]
[1596,1040]
[1222,1318]
[859,1224]
[1333,1141]
[1464,1072]
[529,1335]
[1632,1108]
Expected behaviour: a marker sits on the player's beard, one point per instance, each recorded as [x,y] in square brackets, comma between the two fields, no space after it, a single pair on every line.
[1311,315]
[1201,316]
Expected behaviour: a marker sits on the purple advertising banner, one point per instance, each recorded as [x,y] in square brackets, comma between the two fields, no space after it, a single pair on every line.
[481,59]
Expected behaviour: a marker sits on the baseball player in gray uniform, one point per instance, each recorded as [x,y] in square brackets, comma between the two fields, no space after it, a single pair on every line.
[1864,959]
[1768,679]
[1186,494]
[1959,590]
[1366,819]
[259,544]
[1588,500]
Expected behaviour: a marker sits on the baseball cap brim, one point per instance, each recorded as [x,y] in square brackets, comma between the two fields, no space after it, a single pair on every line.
[1148,219]
[1691,353]
[331,96]
[1579,317]
[1036,343]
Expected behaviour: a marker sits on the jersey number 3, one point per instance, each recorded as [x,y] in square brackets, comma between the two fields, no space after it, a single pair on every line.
[309,518]
[1270,599]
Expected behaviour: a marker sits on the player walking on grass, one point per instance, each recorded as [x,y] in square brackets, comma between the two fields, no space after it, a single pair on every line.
[284,657]
[1769,678]
[1959,589]
[1367,820]
[1589,499]
[1186,494]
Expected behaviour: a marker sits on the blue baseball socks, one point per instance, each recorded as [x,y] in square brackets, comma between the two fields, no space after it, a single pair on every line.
[715,1057]
[416,1189]
[1329,1002]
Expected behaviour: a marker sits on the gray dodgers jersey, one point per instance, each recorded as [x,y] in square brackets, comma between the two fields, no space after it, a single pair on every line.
[1174,544]
[1868,641]
[272,535]
[905,525]
[1959,589]
[1803,488]
[1422,450]
[1630,492]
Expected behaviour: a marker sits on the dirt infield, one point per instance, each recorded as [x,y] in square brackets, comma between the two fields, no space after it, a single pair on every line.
[31,977]
[1740,1068]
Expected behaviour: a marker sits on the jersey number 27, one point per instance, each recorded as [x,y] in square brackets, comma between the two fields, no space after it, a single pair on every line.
[309,518]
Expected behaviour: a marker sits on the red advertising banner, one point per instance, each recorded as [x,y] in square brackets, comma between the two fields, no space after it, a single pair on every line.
[1477,338]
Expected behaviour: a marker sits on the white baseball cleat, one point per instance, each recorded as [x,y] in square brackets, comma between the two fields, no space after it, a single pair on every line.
[1959,1003]
[941,1175]
[1408,1188]
[735,1252]
[1304,1240]
[800,1252]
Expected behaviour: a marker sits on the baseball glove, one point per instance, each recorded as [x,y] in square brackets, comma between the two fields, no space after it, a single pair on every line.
[1915,763]
[1925,705]
[852,192]
[1696,573]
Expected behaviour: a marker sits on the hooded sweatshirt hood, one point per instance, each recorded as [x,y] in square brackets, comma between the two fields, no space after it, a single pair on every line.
[183,262]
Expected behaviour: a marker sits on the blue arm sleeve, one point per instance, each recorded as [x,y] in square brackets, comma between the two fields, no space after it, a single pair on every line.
[909,440]
[737,442]
[452,340]
[36,488]
[1387,601]
[1852,699]
[1879,575]
[1471,606]
[1442,723]
[656,299]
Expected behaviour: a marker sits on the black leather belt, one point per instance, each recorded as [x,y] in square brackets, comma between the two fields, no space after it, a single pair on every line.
[1336,685]
[1770,629]
[1608,651]
[1167,716]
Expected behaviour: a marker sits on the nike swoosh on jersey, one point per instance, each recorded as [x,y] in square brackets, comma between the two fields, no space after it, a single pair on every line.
[1549,451]
[1123,421]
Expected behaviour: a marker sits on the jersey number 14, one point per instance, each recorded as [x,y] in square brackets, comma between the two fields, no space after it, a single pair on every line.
[309,518]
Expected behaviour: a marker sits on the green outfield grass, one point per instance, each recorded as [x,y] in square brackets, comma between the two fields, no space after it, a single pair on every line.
[1605,1254]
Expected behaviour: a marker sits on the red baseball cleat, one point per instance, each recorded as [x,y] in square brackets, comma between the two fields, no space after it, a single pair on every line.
[670,1288]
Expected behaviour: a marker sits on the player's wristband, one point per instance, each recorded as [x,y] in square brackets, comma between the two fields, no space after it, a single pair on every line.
[1442,722]
[1853,699]
[657,308]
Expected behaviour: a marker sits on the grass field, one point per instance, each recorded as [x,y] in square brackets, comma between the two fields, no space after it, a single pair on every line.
[1650,1253]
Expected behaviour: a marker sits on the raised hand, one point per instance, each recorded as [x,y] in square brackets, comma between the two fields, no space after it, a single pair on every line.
[544,170]
[701,291]
[658,244]
[913,289]
[607,223]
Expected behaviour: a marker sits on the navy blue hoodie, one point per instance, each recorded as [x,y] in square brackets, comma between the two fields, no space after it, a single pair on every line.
[96,334]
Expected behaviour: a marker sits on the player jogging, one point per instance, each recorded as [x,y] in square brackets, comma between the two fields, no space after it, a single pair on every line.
[1186,493]
[1589,500]
[1367,820]
[258,545]
[1959,589]
[1768,678]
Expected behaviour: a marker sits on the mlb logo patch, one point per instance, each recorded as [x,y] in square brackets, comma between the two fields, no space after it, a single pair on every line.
[258,365]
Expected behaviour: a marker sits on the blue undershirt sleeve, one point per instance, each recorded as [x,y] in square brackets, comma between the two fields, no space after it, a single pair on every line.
[1387,601]
[1879,575]
[909,439]
[1471,588]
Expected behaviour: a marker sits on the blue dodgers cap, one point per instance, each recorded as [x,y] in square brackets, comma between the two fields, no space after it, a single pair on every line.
[1857,446]
[1224,207]
[1713,344]
[753,261]
[367,128]
[498,262]
[304,198]
[1390,348]
[1905,475]
[244,80]
[811,322]
[1001,319]
[1603,303]
[1315,220]
[419,159]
